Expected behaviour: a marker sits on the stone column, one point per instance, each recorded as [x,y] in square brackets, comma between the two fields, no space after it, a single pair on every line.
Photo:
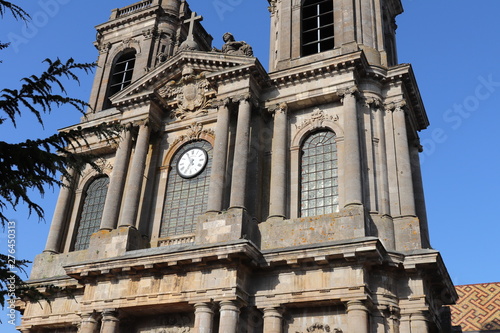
[273,320]
[89,323]
[110,322]
[378,320]
[394,319]
[277,207]
[407,200]
[203,318]
[61,213]
[219,161]
[357,317]
[404,324]
[229,315]
[112,205]
[242,146]
[418,323]
[136,176]
[352,164]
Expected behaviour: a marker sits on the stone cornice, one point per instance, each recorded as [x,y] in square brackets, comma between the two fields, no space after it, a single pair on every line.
[404,73]
[165,258]
[430,263]
[145,13]
[327,66]
[324,253]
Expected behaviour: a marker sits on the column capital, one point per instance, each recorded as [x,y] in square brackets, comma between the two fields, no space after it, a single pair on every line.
[416,144]
[110,315]
[346,92]
[242,97]
[272,7]
[245,97]
[356,305]
[278,108]
[273,312]
[89,322]
[372,102]
[224,102]
[230,305]
[396,106]
[204,307]
[147,122]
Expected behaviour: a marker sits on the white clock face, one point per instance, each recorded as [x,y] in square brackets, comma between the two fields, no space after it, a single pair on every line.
[192,162]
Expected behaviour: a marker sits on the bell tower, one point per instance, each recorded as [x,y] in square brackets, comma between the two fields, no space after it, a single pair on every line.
[301,29]
[138,38]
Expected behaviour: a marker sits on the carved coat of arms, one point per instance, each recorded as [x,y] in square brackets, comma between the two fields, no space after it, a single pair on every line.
[188,96]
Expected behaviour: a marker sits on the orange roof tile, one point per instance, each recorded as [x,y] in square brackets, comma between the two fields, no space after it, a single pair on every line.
[478,307]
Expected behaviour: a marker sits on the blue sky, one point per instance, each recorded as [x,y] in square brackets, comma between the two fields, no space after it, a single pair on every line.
[454,48]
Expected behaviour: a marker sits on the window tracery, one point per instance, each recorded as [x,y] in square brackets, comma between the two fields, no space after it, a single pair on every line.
[121,75]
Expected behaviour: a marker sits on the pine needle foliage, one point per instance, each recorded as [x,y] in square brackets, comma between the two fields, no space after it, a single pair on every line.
[33,166]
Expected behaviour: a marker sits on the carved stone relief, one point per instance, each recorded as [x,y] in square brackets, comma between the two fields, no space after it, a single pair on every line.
[317,327]
[195,131]
[315,320]
[317,118]
[169,323]
[190,96]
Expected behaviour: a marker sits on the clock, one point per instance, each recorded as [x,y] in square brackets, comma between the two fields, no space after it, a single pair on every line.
[192,162]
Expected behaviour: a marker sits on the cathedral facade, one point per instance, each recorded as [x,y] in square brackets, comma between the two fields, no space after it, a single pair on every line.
[244,200]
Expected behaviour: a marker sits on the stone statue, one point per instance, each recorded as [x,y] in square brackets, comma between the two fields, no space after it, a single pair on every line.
[234,47]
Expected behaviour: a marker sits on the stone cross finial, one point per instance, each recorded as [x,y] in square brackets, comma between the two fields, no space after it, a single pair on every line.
[191,22]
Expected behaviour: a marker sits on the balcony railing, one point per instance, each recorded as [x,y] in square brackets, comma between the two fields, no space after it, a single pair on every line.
[184,239]
[121,12]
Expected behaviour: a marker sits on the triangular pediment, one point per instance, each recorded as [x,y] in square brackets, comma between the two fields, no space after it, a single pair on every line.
[189,68]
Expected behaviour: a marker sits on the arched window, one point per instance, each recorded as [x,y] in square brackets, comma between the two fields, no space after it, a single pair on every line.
[91,212]
[317,26]
[121,76]
[319,174]
[187,188]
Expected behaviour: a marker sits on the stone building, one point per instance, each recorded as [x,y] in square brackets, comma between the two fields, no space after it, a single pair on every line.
[244,200]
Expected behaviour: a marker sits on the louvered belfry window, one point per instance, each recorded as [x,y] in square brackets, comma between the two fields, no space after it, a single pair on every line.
[319,175]
[91,212]
[317,26]
[122,72]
